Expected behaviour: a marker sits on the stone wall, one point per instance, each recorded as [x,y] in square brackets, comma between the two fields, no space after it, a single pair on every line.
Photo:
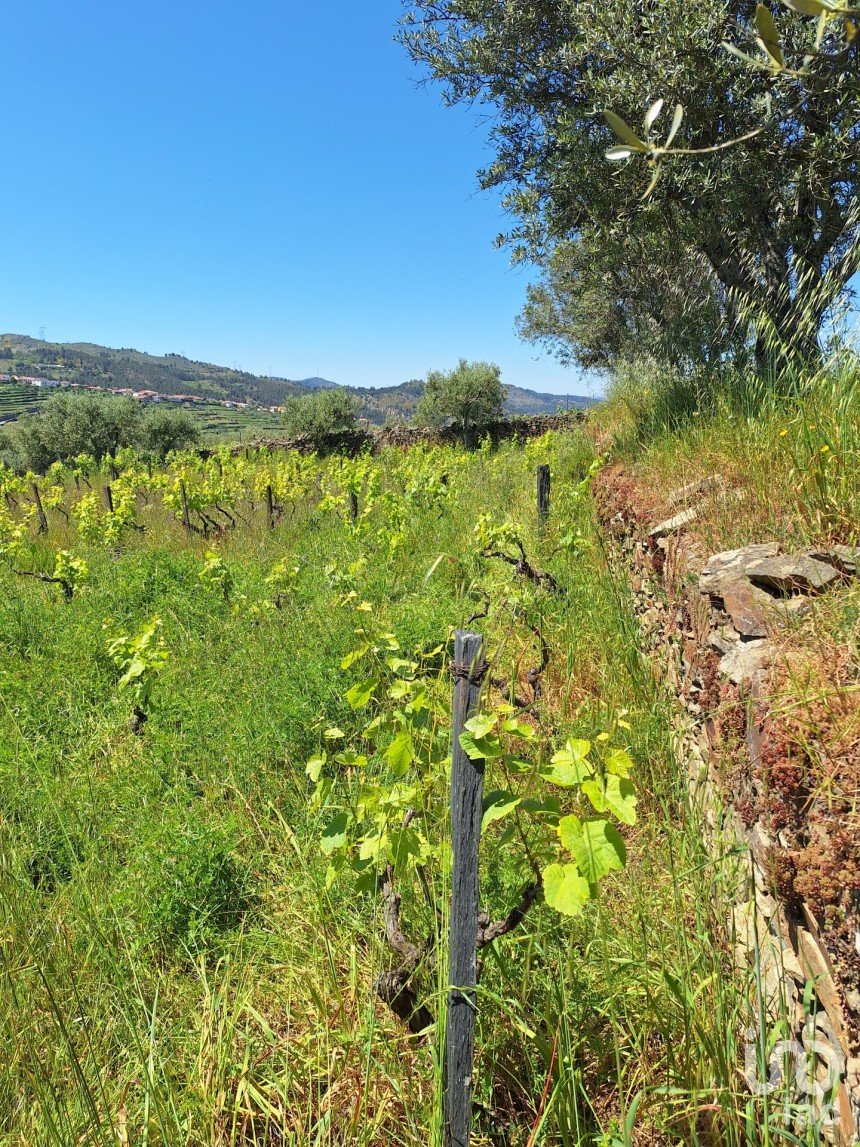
[708,624]
[375,438]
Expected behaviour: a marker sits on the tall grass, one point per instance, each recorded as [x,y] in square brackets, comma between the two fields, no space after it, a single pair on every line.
[790,443]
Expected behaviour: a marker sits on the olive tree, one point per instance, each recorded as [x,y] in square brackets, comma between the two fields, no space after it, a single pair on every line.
[319,413]
[470,397]
[760,185]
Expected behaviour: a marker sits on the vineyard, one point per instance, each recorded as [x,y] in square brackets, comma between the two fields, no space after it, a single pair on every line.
[226,735]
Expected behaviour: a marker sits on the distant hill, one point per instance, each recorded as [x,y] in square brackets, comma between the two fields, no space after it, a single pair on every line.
[91,365]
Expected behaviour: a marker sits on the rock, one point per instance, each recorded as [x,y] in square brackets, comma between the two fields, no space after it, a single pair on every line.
[747,607]
[814,963]
[731,565]
[704,486]
[746,658]
[723,639]
[672,525]
[852,999]
[791,573]
[845,558]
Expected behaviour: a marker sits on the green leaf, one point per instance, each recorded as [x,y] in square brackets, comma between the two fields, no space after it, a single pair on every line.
[618,797]
[519,728]
[497,805]
[549,807]
[651,114]
[768,35]
[334,833]
[618,763]
[314,767]
[614,154]
[400,753]
[807,7]
[565,889]
[360,693]
[569,767]
[482,724]
[624,131]
[480,749]
[596,846]
[373,846]
[353,656]
[747,59]
[333,734]
[351,759]
[676,123]
[405,844]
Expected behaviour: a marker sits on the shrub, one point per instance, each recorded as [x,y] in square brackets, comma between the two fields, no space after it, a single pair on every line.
[320,413]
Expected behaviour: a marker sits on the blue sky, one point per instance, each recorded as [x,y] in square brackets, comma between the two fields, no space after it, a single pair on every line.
[258,184]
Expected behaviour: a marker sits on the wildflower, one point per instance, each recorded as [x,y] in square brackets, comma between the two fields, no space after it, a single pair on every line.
[783,432]
[824,449]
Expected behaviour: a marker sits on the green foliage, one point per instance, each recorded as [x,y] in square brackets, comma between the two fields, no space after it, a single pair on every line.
[770,224]
[320,414]
[69,425]
[72,424]
[162,431]
[193,888]
[214,574]
[140,659]
[471,396]
[202,901]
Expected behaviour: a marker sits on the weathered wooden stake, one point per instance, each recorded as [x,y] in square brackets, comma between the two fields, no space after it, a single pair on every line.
[40,509]
[186,517]
[109,498]
[353,505]
[270,508]
[467,783]
[543,484]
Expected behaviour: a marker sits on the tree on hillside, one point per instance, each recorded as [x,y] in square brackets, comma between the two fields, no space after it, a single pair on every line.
[72,424]
[471,396]
[320,413]
[162,430]
[773,222]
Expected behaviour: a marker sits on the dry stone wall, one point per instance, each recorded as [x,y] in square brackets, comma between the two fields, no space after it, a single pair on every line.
[708,623]
[375,438]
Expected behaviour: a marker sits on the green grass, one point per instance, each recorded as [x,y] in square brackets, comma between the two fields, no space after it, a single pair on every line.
[173,969]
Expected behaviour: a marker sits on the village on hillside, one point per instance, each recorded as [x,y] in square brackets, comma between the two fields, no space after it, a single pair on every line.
[145,397]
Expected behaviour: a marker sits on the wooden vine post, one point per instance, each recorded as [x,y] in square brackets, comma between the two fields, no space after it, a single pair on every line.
[270,507]
[543,485]
[467,783]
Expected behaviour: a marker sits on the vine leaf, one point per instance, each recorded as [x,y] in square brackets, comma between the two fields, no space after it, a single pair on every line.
[400,753]
[596,846]
[565,889]
[568,767]
[334,833]
[618,763]
[497,805]
[617,796]
[360,693]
